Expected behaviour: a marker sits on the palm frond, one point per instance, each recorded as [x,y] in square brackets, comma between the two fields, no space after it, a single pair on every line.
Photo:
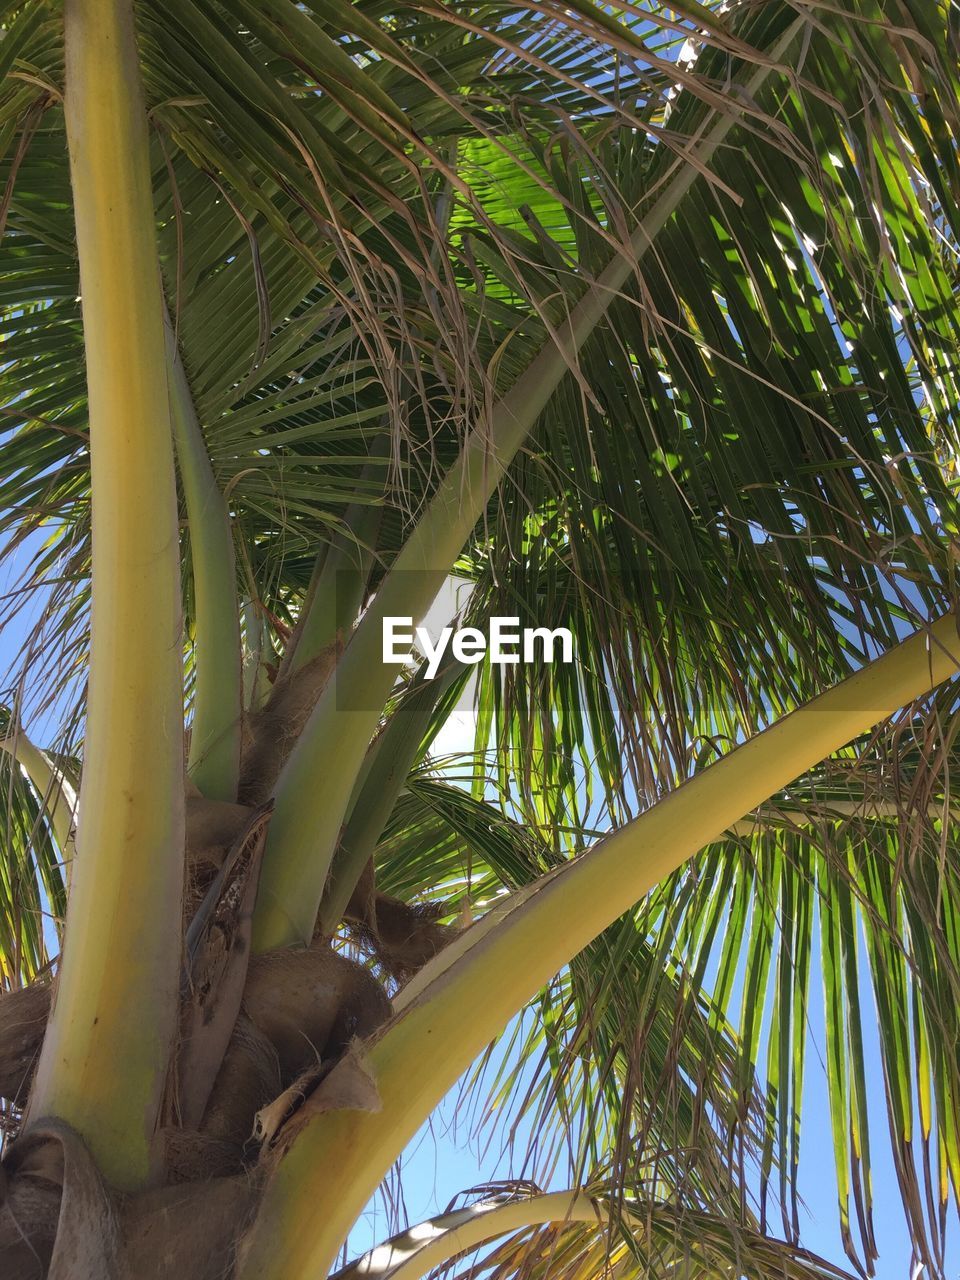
[584,1233]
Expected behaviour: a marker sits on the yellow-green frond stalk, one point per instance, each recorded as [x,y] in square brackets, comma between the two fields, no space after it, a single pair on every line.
[54,789]
[414,1253]
[106,1048]
[470,990]
[214,758]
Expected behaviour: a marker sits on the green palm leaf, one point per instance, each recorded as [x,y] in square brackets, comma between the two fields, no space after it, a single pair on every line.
[370,220]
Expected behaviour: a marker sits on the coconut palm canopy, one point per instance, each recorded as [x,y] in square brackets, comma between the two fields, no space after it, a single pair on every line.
[642,321]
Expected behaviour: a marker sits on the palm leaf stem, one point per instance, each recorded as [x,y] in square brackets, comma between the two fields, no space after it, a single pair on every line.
[108,1040]
[54,789]
[467,994]
[213,761]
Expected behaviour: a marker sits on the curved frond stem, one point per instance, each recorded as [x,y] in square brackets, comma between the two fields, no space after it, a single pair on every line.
[468,993]
[413,1253]
[56,791]
[256,687]
[392,757]
[338,586]
[214,758]
[317,780]
[834,810]
[107,1044]
[429,1245]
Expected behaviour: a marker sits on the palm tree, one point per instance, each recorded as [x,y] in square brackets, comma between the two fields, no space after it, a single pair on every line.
[640,321]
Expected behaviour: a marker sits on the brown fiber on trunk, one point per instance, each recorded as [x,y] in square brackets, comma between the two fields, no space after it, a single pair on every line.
[300,1008]
[274,730]
[59,1222]
[402,935]
[23,1019]
[29,1212]
[212,827]
[218,952]
[186,1233]
[311,1003]
[248,1079]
